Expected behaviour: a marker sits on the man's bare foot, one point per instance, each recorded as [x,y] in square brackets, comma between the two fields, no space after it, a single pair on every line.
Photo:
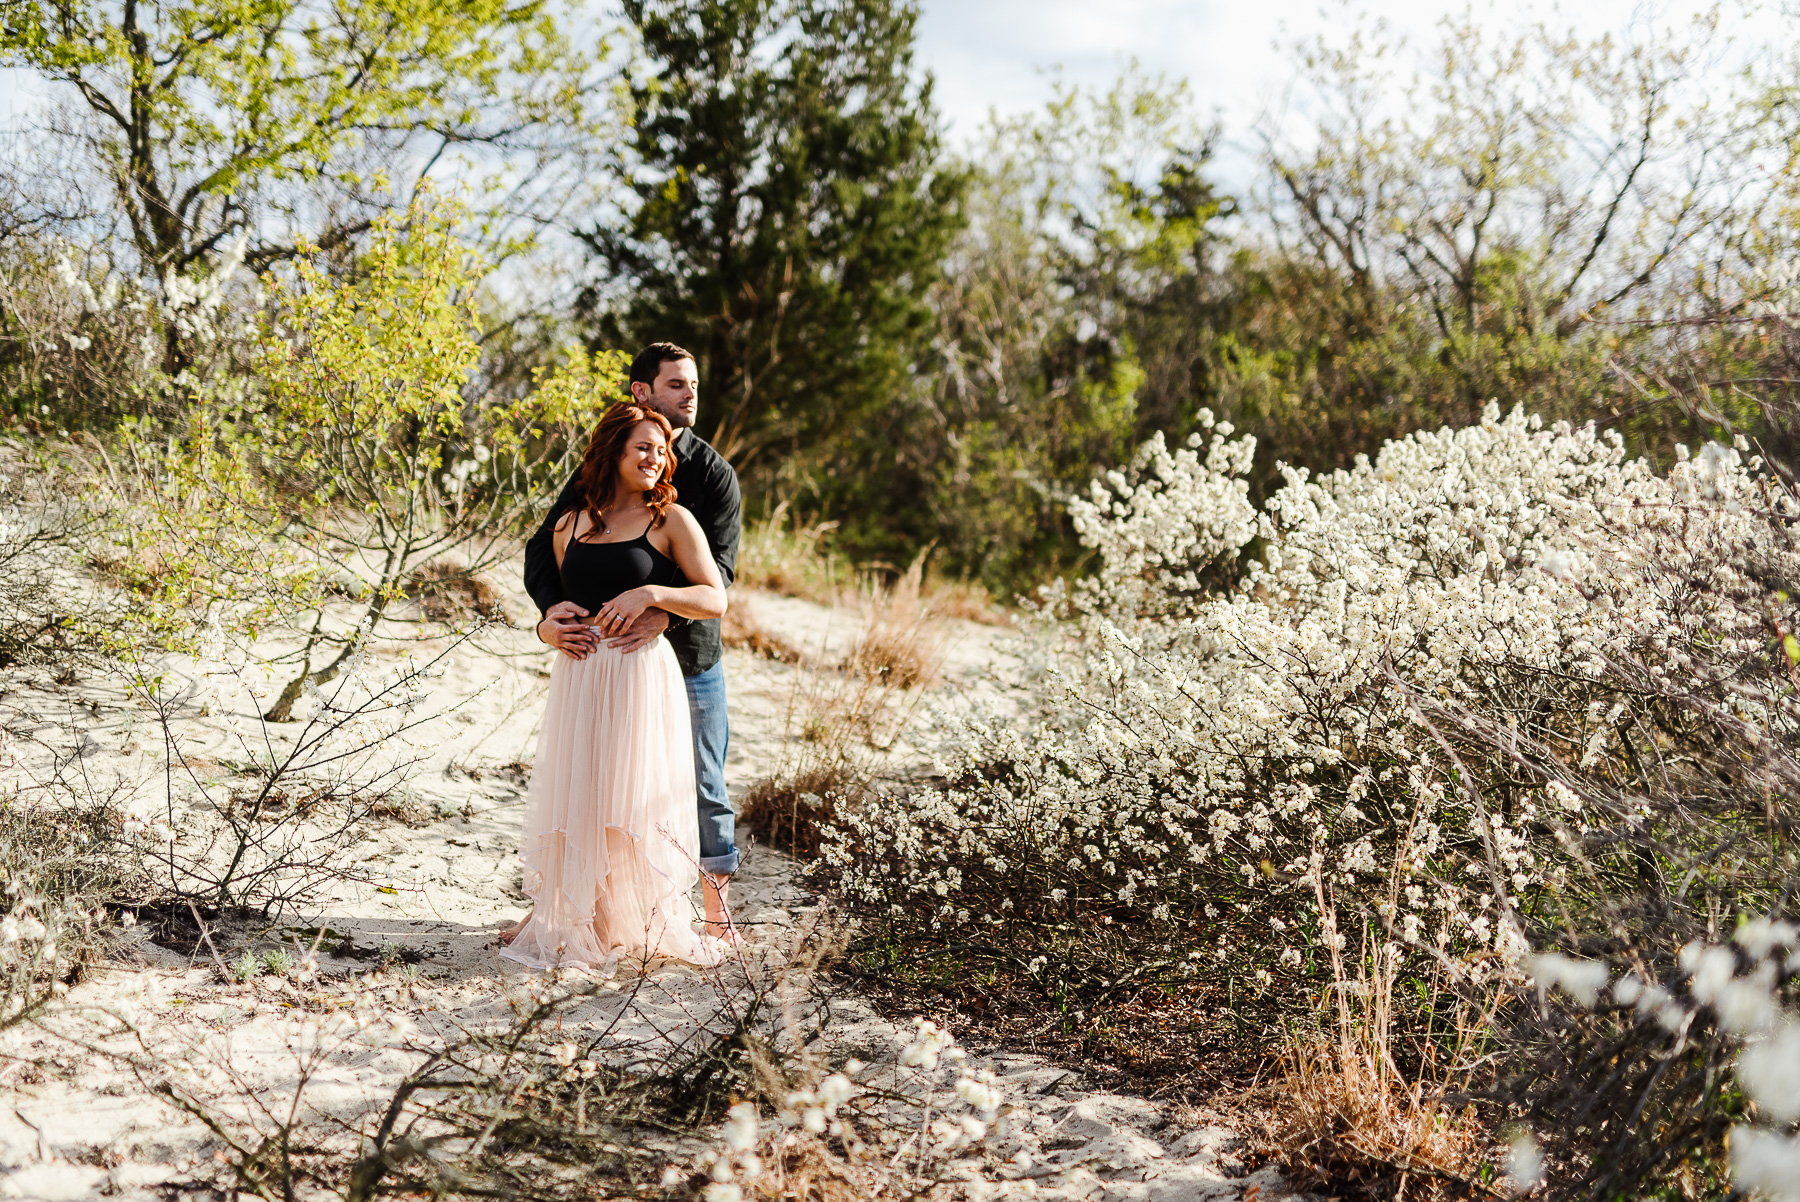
[713,891]
[723,928]
[512,932]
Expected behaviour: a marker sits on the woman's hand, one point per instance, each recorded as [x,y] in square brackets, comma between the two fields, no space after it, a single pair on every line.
[616,616]
[649,627]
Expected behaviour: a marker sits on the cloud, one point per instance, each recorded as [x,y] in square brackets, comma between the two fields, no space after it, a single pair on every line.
[996,53]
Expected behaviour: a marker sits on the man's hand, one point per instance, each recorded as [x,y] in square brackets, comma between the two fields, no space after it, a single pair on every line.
[648,627]
[562,628]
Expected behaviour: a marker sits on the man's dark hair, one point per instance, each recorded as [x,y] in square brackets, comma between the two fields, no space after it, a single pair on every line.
[648,364]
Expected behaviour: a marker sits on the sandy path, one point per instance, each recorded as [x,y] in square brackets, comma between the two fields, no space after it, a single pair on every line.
[75,1124]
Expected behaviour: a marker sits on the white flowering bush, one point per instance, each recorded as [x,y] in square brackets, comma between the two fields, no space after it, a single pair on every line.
[1494,708]
[1168,531]
[85,341]
[1250,777]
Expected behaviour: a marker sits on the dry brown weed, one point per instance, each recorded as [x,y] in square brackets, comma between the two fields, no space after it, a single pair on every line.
[900,644]
[966,600]
[742,631]
[840,722]
[446,591]
[790,810]
[1345,1114]
[782,556]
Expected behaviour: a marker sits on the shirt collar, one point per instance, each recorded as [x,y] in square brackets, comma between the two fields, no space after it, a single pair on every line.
[684,441]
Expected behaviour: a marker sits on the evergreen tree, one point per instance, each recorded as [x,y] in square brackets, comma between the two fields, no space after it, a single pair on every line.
[788,214]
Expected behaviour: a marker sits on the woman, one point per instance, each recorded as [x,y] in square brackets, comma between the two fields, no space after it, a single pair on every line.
[612,832]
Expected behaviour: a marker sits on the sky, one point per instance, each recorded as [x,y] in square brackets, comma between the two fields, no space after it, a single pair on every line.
[988,54]
[993,53]
[998,54]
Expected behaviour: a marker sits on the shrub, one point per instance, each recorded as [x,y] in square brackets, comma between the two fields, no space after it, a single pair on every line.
[357,465]
[271,822]
[81,341]
[1498,688]
[741,630]
[1242,765]
[59,876]
[836,718]
[46,520]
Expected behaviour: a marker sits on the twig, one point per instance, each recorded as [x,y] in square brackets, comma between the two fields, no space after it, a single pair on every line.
[206,936]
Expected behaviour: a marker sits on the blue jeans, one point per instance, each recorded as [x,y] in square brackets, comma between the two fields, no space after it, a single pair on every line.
[712,734]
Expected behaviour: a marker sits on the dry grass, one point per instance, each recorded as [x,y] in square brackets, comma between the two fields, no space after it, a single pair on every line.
[967,600]
[1345,1117]
[900,644]
[839,723]
[447,591]
[791,809]
[799,1167]
[782,556]
[805,1166]
[779,555]
[741,630]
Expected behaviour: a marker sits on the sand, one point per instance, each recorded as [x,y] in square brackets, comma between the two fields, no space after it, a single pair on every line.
[77,1120]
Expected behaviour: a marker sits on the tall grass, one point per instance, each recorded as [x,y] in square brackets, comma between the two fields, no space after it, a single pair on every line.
[900,644]
[1351,1109]
[780,554]
[841,719]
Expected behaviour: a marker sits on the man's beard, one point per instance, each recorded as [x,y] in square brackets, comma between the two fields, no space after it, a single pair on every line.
[676,418]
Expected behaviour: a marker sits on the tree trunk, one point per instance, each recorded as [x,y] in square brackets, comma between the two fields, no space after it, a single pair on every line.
[283,709]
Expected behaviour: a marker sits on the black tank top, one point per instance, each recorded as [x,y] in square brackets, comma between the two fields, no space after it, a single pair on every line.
[595,573]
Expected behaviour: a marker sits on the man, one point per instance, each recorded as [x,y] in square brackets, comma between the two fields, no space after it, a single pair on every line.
[663,378]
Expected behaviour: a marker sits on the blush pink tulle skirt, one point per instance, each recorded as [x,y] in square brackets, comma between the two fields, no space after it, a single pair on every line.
[612,828]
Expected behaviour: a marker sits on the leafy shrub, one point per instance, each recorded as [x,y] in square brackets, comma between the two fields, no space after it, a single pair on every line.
[81,341]
[367,448]
[1499,687]
[1244,764]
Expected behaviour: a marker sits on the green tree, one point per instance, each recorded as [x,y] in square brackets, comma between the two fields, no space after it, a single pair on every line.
[265,123]
[1071,314]
[788,210]
[1498,217]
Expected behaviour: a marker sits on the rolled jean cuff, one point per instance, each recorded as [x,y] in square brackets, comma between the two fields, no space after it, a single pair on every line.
[722,865]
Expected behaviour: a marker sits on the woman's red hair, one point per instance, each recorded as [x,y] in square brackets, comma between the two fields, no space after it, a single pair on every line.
[600,466]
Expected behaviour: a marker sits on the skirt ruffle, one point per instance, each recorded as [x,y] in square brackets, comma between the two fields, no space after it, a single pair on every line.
[612,830]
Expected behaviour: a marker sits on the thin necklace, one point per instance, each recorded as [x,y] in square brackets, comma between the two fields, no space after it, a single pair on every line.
[601,517]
